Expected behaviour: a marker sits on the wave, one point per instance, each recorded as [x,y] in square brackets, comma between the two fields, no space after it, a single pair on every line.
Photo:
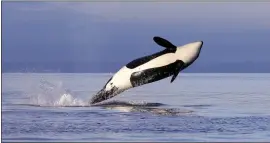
[49,94]
[116,103]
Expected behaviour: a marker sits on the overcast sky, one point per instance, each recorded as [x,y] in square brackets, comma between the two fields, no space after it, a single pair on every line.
[123,31]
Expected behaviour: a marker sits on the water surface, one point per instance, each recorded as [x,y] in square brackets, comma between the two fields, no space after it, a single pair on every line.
[195,107]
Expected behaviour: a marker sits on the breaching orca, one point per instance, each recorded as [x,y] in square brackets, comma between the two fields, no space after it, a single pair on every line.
[144,70]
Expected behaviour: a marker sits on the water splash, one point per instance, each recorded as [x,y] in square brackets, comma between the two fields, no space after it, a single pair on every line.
[69,100]
[53,94]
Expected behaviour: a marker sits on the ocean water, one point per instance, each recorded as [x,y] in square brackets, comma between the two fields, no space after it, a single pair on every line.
[195,107]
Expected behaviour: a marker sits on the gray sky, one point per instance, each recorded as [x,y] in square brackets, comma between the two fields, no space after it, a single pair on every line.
[122,31]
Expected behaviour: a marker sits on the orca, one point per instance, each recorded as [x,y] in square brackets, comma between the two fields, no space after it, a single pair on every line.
[151,68]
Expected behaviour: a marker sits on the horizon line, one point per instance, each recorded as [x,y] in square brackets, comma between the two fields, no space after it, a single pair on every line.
[115,72]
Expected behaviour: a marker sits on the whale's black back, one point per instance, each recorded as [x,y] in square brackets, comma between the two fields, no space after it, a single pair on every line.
[135,63]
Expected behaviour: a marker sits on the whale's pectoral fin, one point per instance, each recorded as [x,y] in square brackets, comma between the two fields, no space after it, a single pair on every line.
[179,66]
[165,43]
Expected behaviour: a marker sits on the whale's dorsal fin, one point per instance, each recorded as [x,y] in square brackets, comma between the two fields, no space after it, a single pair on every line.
[164,43]
[179,66]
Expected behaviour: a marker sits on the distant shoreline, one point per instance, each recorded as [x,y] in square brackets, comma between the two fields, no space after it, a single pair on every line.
[114,73]
[70,67]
